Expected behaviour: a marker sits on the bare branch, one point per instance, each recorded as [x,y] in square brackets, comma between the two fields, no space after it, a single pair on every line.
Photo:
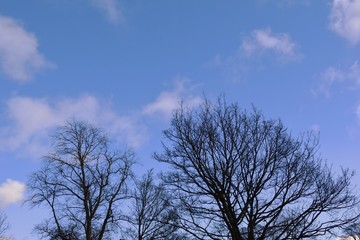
[4,225]
[83,183]
[238,175]
[152,215]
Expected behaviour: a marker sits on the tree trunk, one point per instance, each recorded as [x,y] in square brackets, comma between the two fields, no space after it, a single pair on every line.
[88,230]
[235,233]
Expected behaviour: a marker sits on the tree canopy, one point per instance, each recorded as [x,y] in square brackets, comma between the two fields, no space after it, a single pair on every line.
[237,175]
[233,174]
[84,184]
[152,215]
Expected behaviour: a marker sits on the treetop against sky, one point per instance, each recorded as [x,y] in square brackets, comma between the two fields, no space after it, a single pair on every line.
[124,66]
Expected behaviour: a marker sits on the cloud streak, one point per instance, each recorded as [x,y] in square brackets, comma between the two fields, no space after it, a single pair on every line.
[336,76]
[345,19]
[29,121]
[111,9]
[168,101]
[20,59]
[264,40]
[32,120]
[259,47]
[11,192]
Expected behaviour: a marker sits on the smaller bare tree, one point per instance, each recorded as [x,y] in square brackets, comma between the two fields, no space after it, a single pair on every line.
[83,183]
[152,216]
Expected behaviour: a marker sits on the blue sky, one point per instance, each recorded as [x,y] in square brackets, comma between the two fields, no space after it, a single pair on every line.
[125,65]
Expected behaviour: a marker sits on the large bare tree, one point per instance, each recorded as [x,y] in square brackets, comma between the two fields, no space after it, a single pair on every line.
[83,183]
[237,175]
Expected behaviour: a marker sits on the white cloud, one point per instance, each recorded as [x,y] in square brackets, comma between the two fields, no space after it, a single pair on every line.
[168,101]
[262,40]
[19,56]
[111,9]
[335,76]
[262,45]
[330,76]
[345,19]
[11,192]
[31,121]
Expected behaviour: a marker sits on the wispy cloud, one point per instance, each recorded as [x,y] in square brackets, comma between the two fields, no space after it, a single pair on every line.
[111,9]
[343,79]
[335,76]
[19,55]
[32,119]
[261,46]
[345,19]
[11,192]
[168,101]
[264,40]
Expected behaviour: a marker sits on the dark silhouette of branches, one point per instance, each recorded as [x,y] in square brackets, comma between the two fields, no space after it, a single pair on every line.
[237,175]
[83,183]
[4,225]
[152,217]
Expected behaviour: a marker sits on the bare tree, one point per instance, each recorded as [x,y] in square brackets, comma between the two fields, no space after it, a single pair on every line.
[152,217]
[4,225]
[83,183]
[237,175]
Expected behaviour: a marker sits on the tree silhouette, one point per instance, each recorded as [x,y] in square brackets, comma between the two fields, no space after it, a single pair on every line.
[83,183]
[237,175]
[152,216]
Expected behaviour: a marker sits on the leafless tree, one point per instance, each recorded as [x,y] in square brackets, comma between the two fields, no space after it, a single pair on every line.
[152,217]
[83,183]
[4,225]
[237,175]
